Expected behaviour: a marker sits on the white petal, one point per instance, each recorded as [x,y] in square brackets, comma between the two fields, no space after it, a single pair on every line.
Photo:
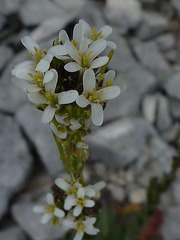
[26,64]
[63,36]
[30,44]
[72,51]
[42,66]
[51,86]
[69,223]
[69,202]
[48,114]
[59,213]
[62,184]
[48,76]
[67,97]
[91,230]
[62,135]
[106,31]
[45,218]
[110,93]
[81,193]
[86,28]
[72,67]
[97,114]
[111,45]
[77,211]
[89,81]
[90,192]
[78,32]
[75,124]
[109,76]
[58,50]
[89,203]
[99,62]
[83,46]
[38,209]
[60,119]
[58,134]
[20,83]
[50,199]
[79,235]
[97,47]
[90,221]
[32,87]
[99,186]
[37,98]
[24,73]
[82,101]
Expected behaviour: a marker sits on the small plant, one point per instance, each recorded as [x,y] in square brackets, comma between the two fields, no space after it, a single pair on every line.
[70,85]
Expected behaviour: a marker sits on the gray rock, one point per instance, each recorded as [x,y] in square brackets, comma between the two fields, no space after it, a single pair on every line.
[129,100]
[12,233]
[172,87]
[2,21]
[163,113]
[166,42]
[50,27]
[149,55]
[9,6]
[11,98]
[170,228]
[5,55]
[41,136]
[171,56]
[15,161]
[152,25]
[30,222]
[34,12]
[176,5]
[125,14]
[149,106]
[71,7]
[175,108]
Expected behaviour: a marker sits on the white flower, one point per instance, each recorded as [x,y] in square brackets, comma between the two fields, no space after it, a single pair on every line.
[77,196]
[95,97]
[85,55]
[44,63]
[86,226]
[34,50]
[59,132]
[94,35]
[97,188]
[50,211]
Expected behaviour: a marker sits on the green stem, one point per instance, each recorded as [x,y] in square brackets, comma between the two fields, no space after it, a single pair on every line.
[103,69]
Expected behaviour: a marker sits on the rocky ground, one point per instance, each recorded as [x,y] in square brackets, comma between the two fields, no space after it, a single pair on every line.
[142,128]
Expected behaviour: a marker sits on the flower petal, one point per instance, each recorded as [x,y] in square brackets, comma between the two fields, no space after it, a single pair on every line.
[91,230]
[90,191]
[89,81]
[60,119]
[50,199]
[48,76]
[72,67]
[97,47]
[69,202]
[20,83]
[77,211]
[75,124]
[111,45]
[48,114]
[90,221]
[99,62]
[97,114]
[62,184]
[69,223]
[99,186]
[109,76]
[79,235]
[67,97]
[110,93]
[58,50]
[26,64]
[82,101]
[24,73]
[44,64]
[81,193]
[78,32]
[86,28]
[51,85]
[59,213]
[30,44]
[83,45]
[37,98]
[89,203]
[45,218]
[106,31]
[38,209]
[63,36]
[72,51]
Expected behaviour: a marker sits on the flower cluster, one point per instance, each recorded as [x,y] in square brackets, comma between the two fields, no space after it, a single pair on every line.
[70,85]
[68,204]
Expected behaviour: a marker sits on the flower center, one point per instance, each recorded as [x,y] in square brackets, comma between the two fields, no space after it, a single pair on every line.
[80,202]
[49,208]
[94,97]
[38,55]
[37,79]
[80,227]
[96,35]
